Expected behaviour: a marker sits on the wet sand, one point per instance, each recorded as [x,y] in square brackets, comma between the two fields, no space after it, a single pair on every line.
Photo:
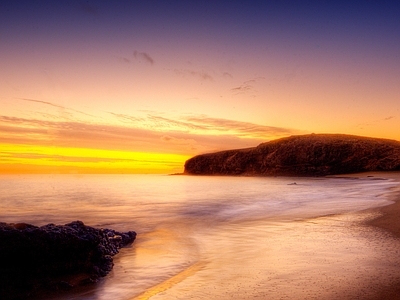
[346,256]
[349,255]
[388,219]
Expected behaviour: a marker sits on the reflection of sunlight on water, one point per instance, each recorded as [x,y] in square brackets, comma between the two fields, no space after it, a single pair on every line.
[213,237]
[170,282]
[155,258]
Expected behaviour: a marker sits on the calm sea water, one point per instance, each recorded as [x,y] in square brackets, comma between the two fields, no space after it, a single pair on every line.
[183,222]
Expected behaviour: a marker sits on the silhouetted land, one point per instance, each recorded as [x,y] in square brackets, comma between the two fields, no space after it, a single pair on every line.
[303,155]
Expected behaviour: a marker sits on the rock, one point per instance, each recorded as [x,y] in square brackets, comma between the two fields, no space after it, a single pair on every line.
[55,257]
[304,155]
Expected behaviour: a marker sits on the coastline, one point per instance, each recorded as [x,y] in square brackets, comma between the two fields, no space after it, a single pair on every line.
[345,256]
[389,221]
[389,218]
[311,247]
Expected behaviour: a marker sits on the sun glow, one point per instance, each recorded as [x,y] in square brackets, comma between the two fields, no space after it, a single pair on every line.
[41,159]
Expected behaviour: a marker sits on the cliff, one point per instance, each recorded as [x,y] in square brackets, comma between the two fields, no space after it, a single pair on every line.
[303,155]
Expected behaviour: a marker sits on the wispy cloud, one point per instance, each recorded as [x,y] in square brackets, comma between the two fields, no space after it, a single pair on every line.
[182,135]
[143,56]
[388,118]
[127,118]
[244,87]
[227,75]
[42,102]
[23,121]
[64,130]
[247,87]
[55,105]
[204,125]
[171,123]
[375,122]
[202,75]
[244,129]
[15,130]
[156,122]
[123,59]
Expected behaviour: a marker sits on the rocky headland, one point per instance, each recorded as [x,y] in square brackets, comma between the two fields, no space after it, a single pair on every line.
[302,155]
[53,258]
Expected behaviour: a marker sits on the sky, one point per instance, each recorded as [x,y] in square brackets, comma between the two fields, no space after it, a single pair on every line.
[141,86]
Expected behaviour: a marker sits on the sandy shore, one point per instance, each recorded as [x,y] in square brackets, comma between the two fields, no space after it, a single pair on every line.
[328,257]
[390,217]
[389,220]
[341,256]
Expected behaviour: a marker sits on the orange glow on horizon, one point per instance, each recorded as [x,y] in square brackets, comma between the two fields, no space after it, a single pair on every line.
[23,159]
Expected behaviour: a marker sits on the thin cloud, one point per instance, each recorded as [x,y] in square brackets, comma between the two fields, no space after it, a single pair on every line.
[54,105]
[374,122]
[227,75]
[188,136]
[206,125]
[242,128]
[124,117]
[162,121]
[202,75]
[143,56]
[185,142]
[247,87]
[42,102]
[21,130]
[244,87]
[388,118]
[29,122]
[76,134]
[123,59]
[157,122]
[197,125]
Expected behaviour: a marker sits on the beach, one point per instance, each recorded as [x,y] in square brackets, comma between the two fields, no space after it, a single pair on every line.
[389,220]
[228,237]
[345,256]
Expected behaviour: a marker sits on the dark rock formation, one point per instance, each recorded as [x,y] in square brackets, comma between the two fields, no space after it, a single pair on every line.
[305,155]
[54,257]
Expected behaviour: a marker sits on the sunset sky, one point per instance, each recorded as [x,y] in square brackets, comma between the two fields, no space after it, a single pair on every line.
[141,86]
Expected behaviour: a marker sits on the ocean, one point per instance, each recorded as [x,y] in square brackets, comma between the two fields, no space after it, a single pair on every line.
[204,237]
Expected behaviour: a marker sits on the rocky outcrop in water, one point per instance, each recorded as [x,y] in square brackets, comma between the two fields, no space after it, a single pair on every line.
[55,257]
[304,155]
